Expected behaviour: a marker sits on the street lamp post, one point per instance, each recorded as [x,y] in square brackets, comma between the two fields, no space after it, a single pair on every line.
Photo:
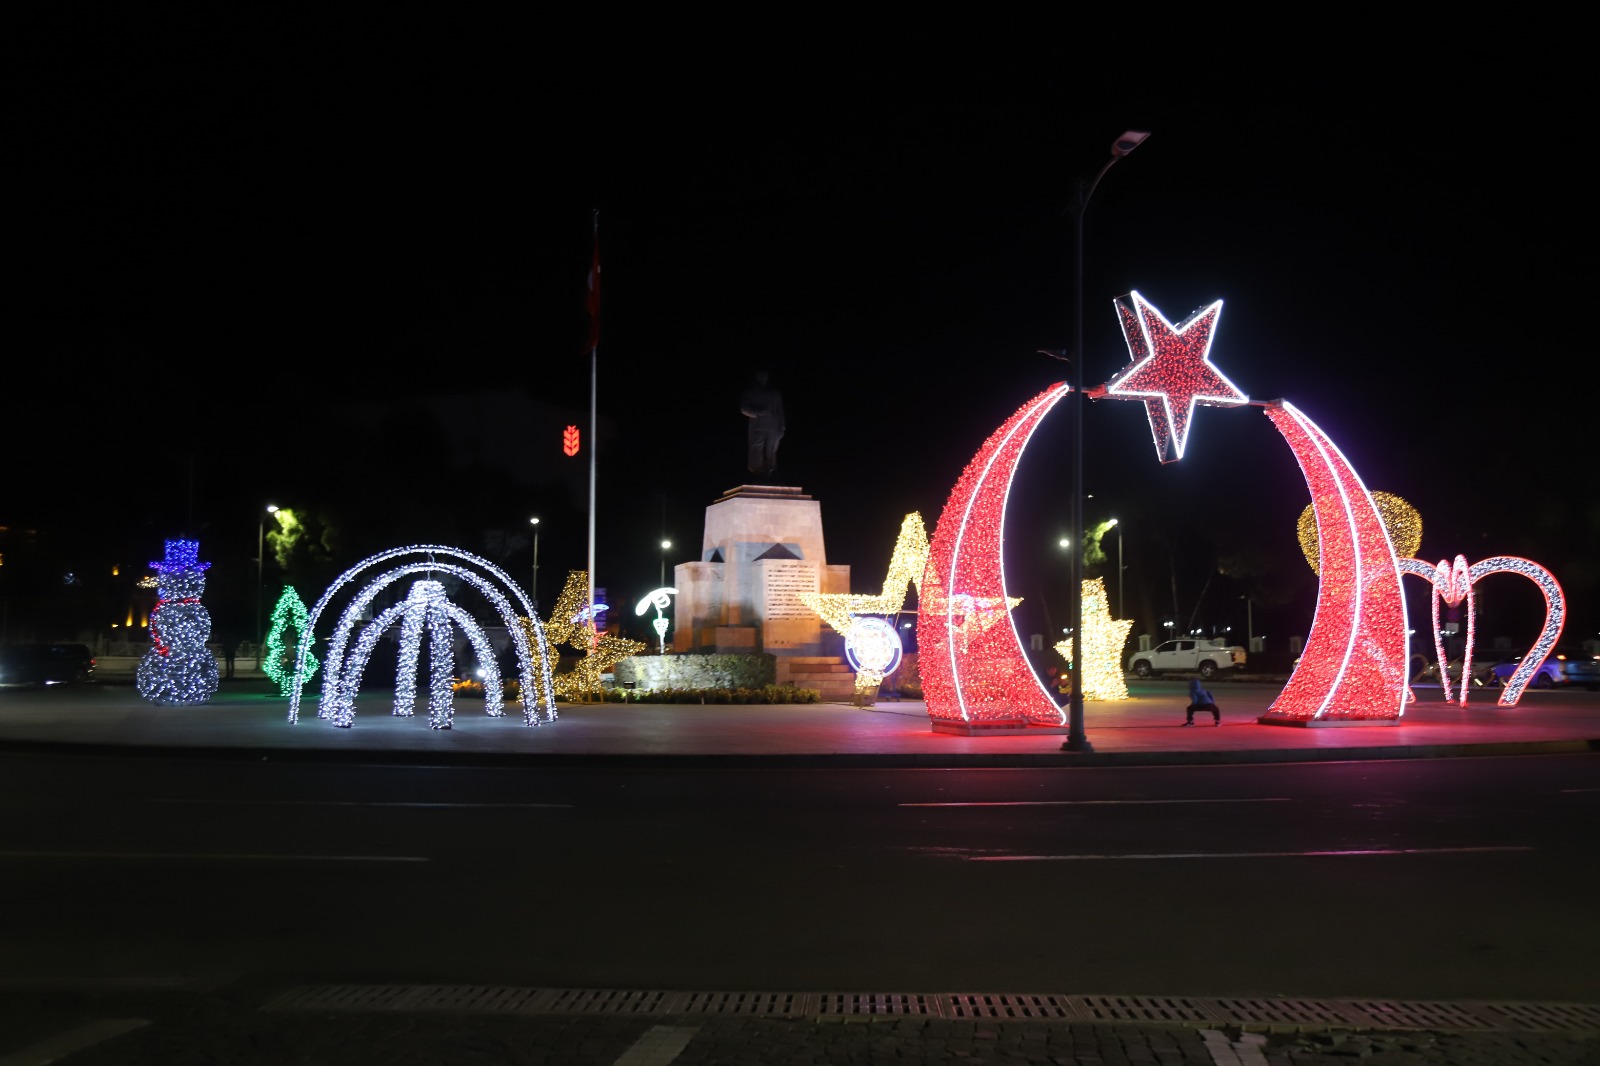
[1076,740]
[533,589]
[1120,534]
[664,546]
[261,574]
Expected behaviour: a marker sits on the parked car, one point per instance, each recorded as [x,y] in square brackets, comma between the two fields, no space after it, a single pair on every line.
[1565,665]
[45,664]
[1188,656]
[1482,672]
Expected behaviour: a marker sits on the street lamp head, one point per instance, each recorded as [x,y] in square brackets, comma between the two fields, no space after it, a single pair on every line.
[666,544]
[533,521]
[1128,142]
[1065,542]
[1111,523]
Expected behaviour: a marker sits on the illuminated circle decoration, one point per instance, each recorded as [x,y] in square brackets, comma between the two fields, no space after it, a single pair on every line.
[1171,371]
[424,610]
[975,671]
[1453,583]
[1399,518]
[873,647]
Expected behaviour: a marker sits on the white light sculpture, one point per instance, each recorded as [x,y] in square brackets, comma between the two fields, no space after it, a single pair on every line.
[423,611]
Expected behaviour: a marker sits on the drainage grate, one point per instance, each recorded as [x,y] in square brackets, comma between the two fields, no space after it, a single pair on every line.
[1143,1009]
[1544,1015]
[761,1003]
[851,1004]
[1278,1012]
[603,1001]
[1240,1011]
[342,997]
[488,998]
[1389,1014]
[1001,1006]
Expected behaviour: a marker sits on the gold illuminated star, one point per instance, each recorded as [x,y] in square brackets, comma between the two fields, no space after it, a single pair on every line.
[906,564]
[1103,641]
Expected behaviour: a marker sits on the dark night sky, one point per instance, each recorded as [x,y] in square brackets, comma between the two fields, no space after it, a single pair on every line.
[249,249]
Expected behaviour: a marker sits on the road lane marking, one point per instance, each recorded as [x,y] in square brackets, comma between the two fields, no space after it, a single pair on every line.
[659,1045]
[56,1048]
[972,856]
[124,856]
[1097,803]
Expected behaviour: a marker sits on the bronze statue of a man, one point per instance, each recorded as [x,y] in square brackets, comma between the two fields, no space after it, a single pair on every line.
[763,406]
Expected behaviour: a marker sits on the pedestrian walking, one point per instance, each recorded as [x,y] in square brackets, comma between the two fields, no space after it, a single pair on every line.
[1200,700]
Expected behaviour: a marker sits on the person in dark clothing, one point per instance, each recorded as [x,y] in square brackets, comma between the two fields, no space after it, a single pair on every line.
[1200,700]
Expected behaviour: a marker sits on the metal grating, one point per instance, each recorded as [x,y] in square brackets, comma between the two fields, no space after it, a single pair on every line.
[1143,1009]
[1392,1014]
[487,998]
[341,997]
[1279,1012]
[1544,1015]
[759,1003]
[1006,1006]
[1240,1011]
[604,1001]
[855,1004]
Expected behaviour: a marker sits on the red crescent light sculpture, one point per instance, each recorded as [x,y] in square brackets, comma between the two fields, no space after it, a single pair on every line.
[1453,582]
[976,677]
[1352,671]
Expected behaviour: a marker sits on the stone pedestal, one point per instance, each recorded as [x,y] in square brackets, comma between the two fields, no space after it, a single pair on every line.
[761,548]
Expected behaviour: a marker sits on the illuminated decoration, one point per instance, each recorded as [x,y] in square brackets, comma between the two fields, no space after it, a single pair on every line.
[1399,518]
[906,563]
[1453,583]
[569,625]
[1352,670]
[842,611]
[661,599]
[278,660]
[424,609]
[179,670]
[976,677]
[1171,371]
[1103,639]
[569,441]
[873,649]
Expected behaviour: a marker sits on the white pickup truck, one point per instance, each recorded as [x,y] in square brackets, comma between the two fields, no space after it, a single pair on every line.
[1187,656]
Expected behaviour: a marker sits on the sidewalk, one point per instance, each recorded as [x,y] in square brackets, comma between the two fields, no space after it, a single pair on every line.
[248,718]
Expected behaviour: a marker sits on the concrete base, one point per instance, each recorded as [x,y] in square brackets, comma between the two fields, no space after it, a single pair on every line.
[994,729]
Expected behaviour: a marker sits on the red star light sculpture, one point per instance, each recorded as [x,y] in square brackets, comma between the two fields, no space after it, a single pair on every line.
[1171,371]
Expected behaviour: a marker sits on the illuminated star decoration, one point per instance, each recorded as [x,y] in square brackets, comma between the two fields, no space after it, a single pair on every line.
[569,624]
[843,611]
[1171,370]
[1104,638]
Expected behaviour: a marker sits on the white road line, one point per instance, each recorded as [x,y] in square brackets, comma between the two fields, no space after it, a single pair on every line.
[1345,853]
[124,856]
[659,1045]
[1098,803]
[56,1048]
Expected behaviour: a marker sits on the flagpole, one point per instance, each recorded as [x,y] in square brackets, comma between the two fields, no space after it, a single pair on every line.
[594,386]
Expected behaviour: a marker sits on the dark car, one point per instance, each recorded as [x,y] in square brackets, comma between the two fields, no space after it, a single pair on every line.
[1565,665]
[45,664]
